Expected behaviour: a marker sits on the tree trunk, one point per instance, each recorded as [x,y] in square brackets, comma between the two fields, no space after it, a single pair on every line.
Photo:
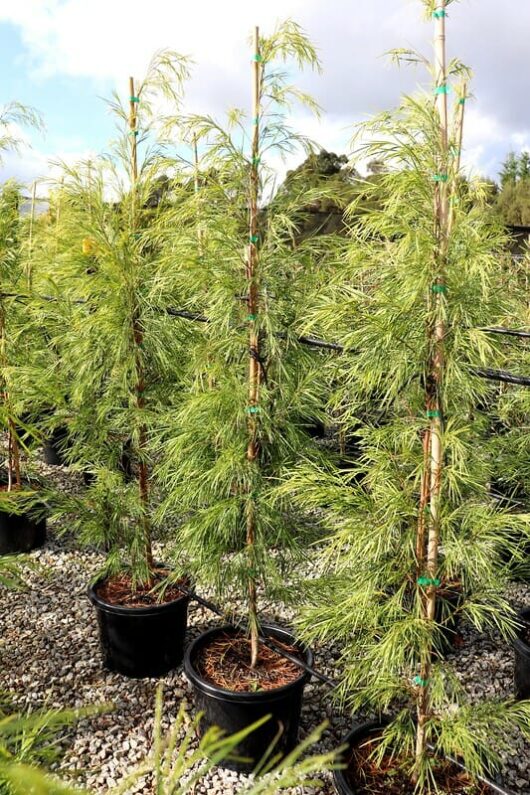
[254,372]
[433,472]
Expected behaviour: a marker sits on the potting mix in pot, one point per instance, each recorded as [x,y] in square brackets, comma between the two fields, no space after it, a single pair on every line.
[278,394]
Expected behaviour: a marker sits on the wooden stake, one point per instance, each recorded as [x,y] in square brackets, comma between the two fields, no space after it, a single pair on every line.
[435,377]
[254,376]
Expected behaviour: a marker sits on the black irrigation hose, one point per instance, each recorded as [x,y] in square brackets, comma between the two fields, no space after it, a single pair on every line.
[239,624]
[313,342]
[187,315]
[508,332]
[500,375]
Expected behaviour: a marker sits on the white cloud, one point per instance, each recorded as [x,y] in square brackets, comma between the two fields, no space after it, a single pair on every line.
[109,39]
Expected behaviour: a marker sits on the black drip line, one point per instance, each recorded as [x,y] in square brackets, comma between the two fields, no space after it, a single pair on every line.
[313,342]
[240,624]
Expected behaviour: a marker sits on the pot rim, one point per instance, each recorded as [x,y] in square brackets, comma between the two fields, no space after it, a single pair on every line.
[221,693]
[123,610]
[359,730]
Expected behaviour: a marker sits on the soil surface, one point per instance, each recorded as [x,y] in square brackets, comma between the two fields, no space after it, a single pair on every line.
[225,662]
[389,778]
[118,590]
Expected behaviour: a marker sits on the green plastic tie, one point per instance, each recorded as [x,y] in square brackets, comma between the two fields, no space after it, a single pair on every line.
[253,409]
[462,101]
[256,161]
[254,238]
[443,89]
[439,13]
[134,99]
[429,581]
[252,317]
[434,414]
[420,682]
[134,132]
[257,57]
[255,120]
[440,177]
[439,288]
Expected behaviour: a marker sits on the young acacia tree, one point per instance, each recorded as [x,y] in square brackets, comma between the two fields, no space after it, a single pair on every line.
[112,285]
[416,519]
[251,389]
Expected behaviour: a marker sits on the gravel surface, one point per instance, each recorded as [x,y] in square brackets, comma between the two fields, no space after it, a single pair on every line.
[50,657]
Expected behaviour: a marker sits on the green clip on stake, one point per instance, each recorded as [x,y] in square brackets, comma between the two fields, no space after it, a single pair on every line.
[254,238]
[252,317]
[434,414]
[439,288]
[443,89]
[429,581]
[133,132]
[255,120]
[256,161]
[253,409]
[257,57]
[420,682]
[439,13]
[462,101]
[134,99]
[440,177]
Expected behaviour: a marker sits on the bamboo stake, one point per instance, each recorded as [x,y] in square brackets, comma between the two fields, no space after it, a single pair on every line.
[138,335]
[254,348]
[435,376]
[29,271]
[425,481]
[196,190]
[58,215]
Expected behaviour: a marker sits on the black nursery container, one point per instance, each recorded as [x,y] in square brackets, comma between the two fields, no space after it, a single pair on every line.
[141,641]
[522,660]
[235,711]
[54,447]
[362,732]
[20,533]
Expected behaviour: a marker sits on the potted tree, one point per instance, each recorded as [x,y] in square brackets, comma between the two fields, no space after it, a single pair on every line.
[251,393]
[418,521]
[22,523]
[122,353]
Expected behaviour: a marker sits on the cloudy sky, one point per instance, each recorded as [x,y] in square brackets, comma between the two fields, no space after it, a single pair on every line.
[62,56]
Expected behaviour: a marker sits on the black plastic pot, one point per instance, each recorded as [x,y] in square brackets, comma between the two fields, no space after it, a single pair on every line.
[233,711]
[141,641]
[358,735]
[20,533]
[53,447]
[522,661]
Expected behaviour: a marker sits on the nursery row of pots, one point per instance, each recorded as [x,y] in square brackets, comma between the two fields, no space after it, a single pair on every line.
[150,641]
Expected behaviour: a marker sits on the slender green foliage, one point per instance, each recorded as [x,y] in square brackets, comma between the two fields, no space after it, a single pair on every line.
[411,524]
